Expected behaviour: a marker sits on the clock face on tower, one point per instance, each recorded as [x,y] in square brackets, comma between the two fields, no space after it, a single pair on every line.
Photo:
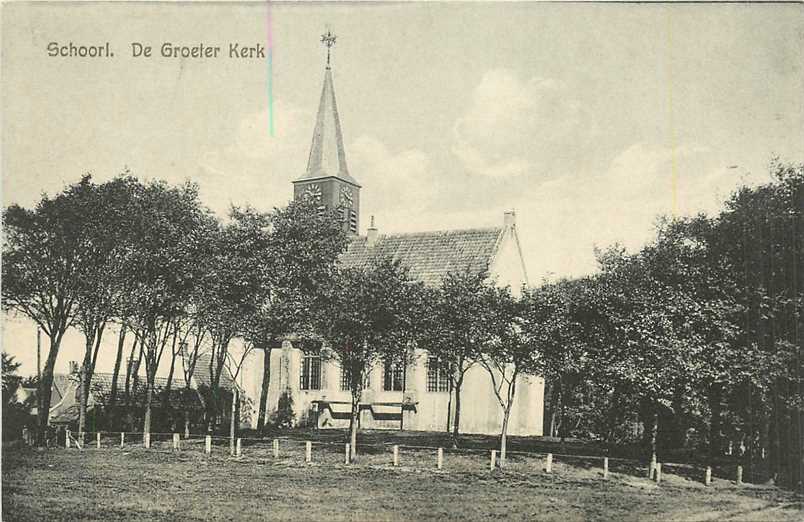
[346,198]
[312,193]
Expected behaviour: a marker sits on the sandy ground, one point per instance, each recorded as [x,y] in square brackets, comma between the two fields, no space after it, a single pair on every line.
[158,484]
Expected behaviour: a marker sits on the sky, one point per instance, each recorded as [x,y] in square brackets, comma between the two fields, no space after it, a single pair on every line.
[588,120]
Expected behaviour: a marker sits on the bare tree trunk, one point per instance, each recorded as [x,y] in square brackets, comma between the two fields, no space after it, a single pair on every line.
[353,423]
[504,435]
[457,420]
[84,378]
[121,339]
[46,388]
[266,380]
[149,392]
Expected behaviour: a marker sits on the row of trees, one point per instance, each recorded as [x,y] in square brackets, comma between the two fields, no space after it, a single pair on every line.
[697,336]
[151,258]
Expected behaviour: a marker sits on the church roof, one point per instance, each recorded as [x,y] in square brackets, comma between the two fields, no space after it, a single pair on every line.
[429,255]
[327,155]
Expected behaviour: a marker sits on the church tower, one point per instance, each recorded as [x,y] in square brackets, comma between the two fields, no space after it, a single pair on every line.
[327,179]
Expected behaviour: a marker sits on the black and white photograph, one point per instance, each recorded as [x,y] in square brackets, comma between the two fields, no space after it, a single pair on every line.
[401,261]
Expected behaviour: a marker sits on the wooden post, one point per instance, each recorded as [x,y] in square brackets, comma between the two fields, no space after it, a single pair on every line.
[549,465]
[67,438]
[493,461]
[238,448]
[208,444]
[346,460]
[122,439]
[440,458]
[763,453]
[276,448]
[308,452]
[605,467]
[147,440]
[652,466]
[708,476]
[175,442]
[658,472]
[739,475]
[396,455]
[97,440]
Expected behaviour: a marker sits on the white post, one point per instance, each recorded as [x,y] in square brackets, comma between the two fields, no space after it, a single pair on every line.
[276,448]
[67,439]
[308,452]
[238,448]
[730,448]
[708,476]
[440,458]
[396,455]
[605,467]
[739,475]
[763,453]
[208,444]
[493,461]
[97,440]
[147,440]
[658,472]
[346,460]
[122,439]
[549,464]
[175,442]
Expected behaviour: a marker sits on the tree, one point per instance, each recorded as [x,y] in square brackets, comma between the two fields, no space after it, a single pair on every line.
[170,234]
[510,355]
[457,328]
[15,413]
[365,316]
[290,254]
[43,253]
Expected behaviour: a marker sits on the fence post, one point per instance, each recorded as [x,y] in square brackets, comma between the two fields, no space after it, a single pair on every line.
[346,461]
[147,440]
[493,461]
[549,464]
[440,458]
[175,442]
[208,445]
[276,448]
[97,440]
[308,452]
[238,448]
[708,476]
[396,455]
[652,466]
[67,438]
[605,467]
[658,472]
[122,439]
[739,475]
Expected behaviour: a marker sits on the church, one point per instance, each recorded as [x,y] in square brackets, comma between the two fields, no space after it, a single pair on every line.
[417,396]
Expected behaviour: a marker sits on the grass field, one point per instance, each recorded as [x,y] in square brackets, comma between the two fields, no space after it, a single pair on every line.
[157,484]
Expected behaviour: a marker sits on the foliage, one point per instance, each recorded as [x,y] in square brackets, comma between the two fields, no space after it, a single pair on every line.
[284,417]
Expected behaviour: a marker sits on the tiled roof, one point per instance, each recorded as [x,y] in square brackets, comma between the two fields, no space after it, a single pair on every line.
[203,376]
[429,255]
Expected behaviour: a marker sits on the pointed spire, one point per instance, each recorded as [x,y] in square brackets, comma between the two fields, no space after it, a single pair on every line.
[327,155]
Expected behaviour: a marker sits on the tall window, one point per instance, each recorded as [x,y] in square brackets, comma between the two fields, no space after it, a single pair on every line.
[393,377]
[346,380]
[437,377]
[310,376]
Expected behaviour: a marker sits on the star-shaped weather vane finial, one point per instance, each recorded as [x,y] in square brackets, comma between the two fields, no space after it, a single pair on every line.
[328,40]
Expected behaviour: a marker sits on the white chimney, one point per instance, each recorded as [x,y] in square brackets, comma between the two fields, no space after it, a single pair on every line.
[371,236]
[509,219]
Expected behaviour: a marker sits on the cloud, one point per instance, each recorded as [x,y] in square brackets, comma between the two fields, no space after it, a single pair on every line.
[560,221]
[256,167]
[515,126]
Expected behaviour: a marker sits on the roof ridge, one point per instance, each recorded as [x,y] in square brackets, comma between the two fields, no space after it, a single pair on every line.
[441,232]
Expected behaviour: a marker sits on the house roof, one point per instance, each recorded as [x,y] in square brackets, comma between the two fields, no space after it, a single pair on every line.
[429,255]
[202,374]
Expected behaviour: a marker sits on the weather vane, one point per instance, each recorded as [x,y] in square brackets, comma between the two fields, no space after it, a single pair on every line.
[328,40]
